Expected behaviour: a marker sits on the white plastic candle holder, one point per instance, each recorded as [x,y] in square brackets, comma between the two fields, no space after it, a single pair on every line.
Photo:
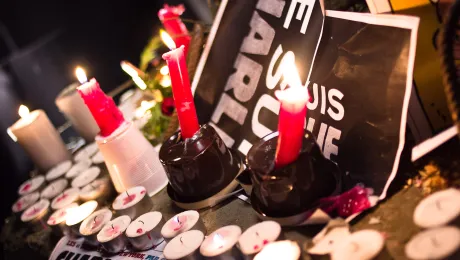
[112,235]
[133,202]
[35,184]
[55,188]
[78,168]
[58,170]
[185,246]
[86,177]
[65,198]
[24,202]
[91,226]
[57,220]
[145,232]
[220,245]
[182,222]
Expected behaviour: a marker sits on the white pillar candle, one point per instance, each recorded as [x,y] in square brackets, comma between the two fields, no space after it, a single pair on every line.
[37,214]
[111,236]
[259,235]
[65,198]
[99,190]
[58,170]
[37,135]
[55,188]
[86,152]
[32,185]
[133,202]
[78,168]
[76,215]
[86,177]
[184,246]
[286,250]
[145,232]
[438,209]
[25,201]
[436,243]
[182,222]
[361,245]
[221,243]
[98,158]
[93,224]
[57,220]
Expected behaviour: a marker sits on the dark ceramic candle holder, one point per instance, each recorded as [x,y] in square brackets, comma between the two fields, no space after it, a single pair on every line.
[295,188]
[198,167]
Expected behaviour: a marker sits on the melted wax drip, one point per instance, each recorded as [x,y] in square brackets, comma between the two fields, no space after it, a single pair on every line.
[348,203]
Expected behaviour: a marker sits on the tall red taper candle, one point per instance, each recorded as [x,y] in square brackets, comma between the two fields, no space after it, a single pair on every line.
[182,92]
[291,122]
[170,17]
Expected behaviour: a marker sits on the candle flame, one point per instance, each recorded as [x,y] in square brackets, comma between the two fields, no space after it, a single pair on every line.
[218,240]
[290,74]
[11,134]
[164,70]
[140,83]
[81,75]
[165,81]
[167,40]
[129,69]
[23,111]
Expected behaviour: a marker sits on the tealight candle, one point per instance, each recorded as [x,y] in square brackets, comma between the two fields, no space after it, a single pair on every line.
[86,177]
[99,190]
[111,236]
[286,250]
[76,215]
[182,222]
[86,152]
[54,188]
[78,168]
[93,224]
[58,170]
[31,185]
[133,202]
[25,201]
[185,246]
[37,214]
[145,231]
[361,245]
[221,244]
[98,158]
[257,236]
[65,198]
[57,220]
[438,209]
[436,243]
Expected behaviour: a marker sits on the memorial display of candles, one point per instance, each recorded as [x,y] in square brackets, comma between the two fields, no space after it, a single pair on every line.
[182,222]
[25,201]
[78,168]
[286,250]
[221,244]
[86,177]
[57,220]
[75,216]
[86,152]
[438,209]
[361,245]
[65,198]
[258,236]
[91,226]
[436,243]
[99,190]
[55,188]
[185,246]
[58,170]
[112,235]
[145,232]
[133,202]
[37,214]
[32,185]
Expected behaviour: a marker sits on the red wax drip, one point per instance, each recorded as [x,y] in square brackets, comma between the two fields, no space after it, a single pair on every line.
[26,187]
[182,92]
[128,199]
[170,17]
[105,112]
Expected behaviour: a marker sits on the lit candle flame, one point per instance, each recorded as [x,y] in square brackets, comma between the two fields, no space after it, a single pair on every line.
[290,74]
[129,69]
[11,134]
[164,70]
[218,240]
[23,111]
[167,40]
[140,83]
[81,75]
[165,81]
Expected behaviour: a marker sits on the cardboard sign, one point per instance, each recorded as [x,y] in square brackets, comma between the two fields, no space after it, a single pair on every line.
[360,81]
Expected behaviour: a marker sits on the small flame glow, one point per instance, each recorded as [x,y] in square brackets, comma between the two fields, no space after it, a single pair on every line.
[291,75]
[165,81]
[81,75]
[164,70]
[23,111]
[129,69]
[167,40]
[218,240]
[140,83]
[11,134]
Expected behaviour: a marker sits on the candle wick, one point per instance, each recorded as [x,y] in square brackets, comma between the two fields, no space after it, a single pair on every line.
[438,205]
[257,234]
[142,222]
[127,193]
[434,241]
[355,246]
[181,240]
[95,219]
[112,227]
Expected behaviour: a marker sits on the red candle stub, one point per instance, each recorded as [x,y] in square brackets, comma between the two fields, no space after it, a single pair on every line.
[170,17]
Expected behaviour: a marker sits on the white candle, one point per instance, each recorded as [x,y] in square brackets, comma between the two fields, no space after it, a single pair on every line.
[78,168]
[65,198]
[86,152]
[438,209]
[37,135]
[37,213]
[145,231]
[57,220]
[58,170]
[361,245]
[96,190]
[111,236]
[98,158]
[76,215]
[221,243]
[133,202]
[286,250]
[259,235]
[86,177]
[182,222]
[436,243]
[31,185]
[55,188]
[25,201]
[184,246]
[93,224]
[328,239]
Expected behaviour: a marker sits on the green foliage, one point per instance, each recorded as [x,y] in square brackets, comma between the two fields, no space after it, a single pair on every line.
[156,125]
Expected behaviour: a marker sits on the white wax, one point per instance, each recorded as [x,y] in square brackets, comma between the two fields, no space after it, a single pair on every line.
[361,245]
[77,215]
[98,158]
[54,188]
[95,222]
[258,235]
[86,177]
[113,229]
[220,241]
[58,170]
[436,243]
[78,168]
[35,211]
[60,215]
[144,224]
[180,223]
[286,250]
[31,185]
[25,201]
[331,240]
[129,198]
[95,189]
[86,152]
[438,209]
[183,245]
[65,198]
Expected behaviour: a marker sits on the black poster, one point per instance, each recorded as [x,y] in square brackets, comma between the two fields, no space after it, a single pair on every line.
[359,82]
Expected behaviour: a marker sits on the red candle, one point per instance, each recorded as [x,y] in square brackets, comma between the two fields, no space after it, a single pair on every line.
[170,17]
[182,92]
